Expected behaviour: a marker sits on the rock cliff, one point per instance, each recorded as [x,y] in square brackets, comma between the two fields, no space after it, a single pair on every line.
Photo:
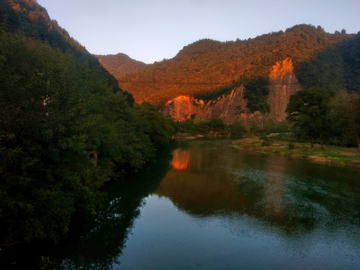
[233,106]
[283,84]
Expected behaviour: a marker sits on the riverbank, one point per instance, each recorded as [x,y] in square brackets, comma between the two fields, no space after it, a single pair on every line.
[330,155]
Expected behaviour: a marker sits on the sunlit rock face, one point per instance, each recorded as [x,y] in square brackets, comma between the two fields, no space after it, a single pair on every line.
[225,107]
[233,106]
[181,107]
[283,84]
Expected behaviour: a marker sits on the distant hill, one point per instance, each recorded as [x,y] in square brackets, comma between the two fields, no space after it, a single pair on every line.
[207,68]
[120,64]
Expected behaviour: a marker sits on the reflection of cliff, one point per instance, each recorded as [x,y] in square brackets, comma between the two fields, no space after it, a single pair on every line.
[283,84]
[274,186]
[200,194]
[232,184]
[180,159]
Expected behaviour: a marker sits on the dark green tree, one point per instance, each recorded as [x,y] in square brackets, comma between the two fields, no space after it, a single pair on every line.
[345,118]
[63,131]
[154,124]
[308,111]
[256,92]
[237,129]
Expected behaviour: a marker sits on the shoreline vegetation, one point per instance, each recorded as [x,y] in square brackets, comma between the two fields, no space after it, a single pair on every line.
[334,155]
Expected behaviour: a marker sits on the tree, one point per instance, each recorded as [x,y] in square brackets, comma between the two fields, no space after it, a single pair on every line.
[154,124]
[217,125]
[256,92]
[308,111]
[345,117]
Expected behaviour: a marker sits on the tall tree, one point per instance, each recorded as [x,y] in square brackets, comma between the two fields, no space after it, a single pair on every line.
[308,111]
[345,117]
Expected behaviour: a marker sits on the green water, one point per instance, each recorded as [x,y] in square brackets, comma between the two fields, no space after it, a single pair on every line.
[207,205]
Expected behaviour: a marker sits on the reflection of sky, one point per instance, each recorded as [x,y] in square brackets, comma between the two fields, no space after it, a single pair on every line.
[166,238]
[152,30]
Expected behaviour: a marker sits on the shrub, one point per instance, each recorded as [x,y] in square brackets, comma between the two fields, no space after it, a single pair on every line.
[237,129]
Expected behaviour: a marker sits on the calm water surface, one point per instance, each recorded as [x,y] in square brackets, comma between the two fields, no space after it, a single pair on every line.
[218,207]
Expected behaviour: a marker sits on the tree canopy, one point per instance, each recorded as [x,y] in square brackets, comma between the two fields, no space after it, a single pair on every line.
[308,111]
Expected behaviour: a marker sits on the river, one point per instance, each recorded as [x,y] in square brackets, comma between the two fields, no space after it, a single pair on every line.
[222,208]
[208,205]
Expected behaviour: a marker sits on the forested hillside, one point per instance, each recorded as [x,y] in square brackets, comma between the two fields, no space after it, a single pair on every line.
[119,64]
[28,17]
[65,127]
[208,68]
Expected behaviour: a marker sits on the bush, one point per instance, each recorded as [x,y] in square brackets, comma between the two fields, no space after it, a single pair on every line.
[187,126]
[276,127]
[237,129]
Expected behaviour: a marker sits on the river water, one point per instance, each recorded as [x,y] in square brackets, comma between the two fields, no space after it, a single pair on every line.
[207,205]
[218,207]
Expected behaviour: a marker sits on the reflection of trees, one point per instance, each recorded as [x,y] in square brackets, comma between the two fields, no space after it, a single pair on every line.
[106,235]
[287,194]
[97,242]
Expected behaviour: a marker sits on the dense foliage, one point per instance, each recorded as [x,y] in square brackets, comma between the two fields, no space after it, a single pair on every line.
[308,110]
[322,115]
[56,112]
[65,127]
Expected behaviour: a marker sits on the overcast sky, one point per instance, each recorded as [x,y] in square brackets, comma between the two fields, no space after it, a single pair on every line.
[151,30]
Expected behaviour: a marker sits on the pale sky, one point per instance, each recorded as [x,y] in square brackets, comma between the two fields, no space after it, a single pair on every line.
[151,30]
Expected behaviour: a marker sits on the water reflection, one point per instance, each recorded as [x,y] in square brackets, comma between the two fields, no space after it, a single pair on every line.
[211,206]
[274,186]
[96,242]
[180,159]
[211,178]
[230,209]
[102,241]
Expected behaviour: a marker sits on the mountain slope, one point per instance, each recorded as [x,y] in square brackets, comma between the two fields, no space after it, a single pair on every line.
[120,64]
[31,19]
[207,68]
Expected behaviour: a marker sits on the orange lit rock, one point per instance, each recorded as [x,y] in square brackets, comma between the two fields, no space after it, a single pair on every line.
[281,68]
[283,83]
[181,107]
[232,107]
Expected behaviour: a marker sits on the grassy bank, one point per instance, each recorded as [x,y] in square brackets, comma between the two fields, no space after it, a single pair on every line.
[328,154]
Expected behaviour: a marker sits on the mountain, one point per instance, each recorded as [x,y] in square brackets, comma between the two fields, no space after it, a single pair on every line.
[254,76]
[120,64]
[207,69]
